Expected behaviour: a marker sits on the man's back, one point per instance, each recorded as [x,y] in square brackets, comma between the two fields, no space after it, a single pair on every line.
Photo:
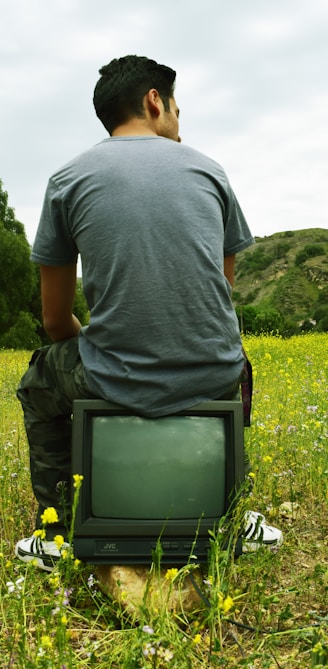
[152,220]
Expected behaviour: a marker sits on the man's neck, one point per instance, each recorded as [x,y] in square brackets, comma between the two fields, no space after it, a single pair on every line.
[134,128]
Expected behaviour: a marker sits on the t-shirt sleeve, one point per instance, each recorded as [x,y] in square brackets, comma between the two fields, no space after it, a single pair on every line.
[53,243]
[237,235]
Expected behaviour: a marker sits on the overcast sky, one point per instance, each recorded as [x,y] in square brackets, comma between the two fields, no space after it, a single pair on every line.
[252,87]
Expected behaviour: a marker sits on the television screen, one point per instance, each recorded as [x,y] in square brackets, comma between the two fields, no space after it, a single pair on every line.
[171,478]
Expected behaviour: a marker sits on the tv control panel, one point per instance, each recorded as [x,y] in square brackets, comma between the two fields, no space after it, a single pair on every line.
[141,551]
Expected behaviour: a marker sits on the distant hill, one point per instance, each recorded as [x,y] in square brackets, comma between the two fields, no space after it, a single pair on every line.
[286,273]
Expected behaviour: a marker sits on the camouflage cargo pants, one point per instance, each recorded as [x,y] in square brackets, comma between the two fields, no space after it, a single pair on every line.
[53,380]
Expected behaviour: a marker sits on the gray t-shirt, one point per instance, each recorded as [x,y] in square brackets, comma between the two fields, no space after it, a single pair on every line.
[152,220]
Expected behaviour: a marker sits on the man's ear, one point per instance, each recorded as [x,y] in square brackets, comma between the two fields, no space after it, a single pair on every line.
[153,102]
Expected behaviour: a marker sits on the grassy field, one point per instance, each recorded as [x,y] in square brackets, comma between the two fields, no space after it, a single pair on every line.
[265,610]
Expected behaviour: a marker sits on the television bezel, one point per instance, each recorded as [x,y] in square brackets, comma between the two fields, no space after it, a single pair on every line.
[113,540]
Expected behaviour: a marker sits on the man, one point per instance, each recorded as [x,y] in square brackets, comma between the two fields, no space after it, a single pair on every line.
[157,227]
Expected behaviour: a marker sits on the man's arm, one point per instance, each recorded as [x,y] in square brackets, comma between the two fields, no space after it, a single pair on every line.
[57,295]
[229,268]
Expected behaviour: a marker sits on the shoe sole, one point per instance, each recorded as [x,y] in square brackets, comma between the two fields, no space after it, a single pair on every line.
[252,546]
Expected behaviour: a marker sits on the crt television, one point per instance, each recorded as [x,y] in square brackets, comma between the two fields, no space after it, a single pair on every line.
[145,479]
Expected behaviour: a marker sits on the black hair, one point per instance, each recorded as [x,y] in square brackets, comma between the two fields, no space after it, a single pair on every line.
[119,93]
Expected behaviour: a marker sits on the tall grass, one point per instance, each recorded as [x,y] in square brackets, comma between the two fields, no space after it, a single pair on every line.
[264,610]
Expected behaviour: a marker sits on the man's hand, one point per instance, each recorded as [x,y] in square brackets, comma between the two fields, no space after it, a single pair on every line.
[57,294]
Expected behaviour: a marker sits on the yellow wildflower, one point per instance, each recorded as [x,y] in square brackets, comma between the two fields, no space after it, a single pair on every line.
[33,563]
[77,478]
[39,533]
[49,516]
[46,641]
[171,573]
[227,604]
[54,579]
[59,540]
[197,638]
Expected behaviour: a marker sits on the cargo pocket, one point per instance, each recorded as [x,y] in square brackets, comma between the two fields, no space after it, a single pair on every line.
[64,355]
[35,376]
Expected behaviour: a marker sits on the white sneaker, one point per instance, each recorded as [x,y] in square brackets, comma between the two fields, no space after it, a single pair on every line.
[44,554]
[257,533]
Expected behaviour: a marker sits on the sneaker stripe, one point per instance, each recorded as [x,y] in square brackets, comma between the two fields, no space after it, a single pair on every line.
[254,532]
[36,552]
[46,560]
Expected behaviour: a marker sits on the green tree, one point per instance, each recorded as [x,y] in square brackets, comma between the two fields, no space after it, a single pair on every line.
[7,215]
[269,320]
[322,326]
[323,296]
[80,307]
[23,334]
[321,317]
[246,316]
[20,301]
[309,251]
[17,276]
